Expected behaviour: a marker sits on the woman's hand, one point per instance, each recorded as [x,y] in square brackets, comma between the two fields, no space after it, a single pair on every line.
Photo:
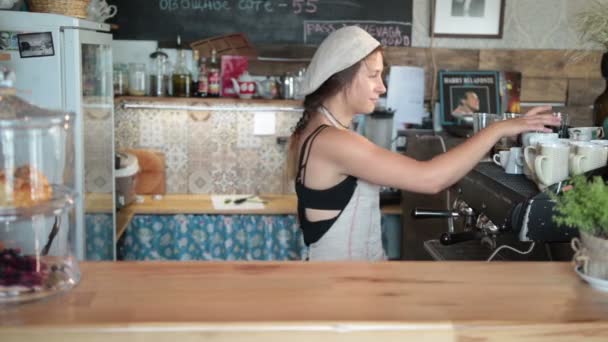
[536,119]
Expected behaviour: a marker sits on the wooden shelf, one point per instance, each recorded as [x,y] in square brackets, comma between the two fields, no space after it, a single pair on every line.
[208,101]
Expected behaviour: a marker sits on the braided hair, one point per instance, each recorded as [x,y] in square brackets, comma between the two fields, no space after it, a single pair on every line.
[312,102]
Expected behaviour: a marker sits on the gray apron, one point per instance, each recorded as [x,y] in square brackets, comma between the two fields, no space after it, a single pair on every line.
[357,233]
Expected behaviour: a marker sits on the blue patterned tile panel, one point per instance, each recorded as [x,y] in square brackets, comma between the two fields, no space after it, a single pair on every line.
[213,237]
[99,237]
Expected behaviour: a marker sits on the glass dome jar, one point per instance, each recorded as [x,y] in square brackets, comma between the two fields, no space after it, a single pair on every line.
[36,201]
[159,74]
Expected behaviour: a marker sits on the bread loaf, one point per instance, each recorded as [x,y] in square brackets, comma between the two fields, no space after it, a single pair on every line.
[151,177]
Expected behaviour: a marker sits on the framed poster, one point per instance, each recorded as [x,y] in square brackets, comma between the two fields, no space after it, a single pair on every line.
[467,18]
[463,93]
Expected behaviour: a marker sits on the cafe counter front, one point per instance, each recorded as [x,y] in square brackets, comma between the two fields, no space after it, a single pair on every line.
[301,301]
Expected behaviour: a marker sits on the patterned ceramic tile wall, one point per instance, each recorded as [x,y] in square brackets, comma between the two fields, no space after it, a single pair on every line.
[98,145]
[217,155]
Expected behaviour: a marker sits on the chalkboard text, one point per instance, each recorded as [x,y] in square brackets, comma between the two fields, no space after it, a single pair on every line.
[387,33]
[268,6]
[201,5]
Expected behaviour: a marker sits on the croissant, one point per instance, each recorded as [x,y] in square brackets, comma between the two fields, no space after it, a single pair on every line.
[26,187]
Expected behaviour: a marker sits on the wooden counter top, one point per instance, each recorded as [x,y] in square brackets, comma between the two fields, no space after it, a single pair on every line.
[96,203]
[298,301]
[201,204]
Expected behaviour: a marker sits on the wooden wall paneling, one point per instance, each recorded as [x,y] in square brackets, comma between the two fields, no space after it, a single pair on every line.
[294,58]
[579,116]
[263,68]
[548,75]
[582,92]
[542,63]
[544,89]
[455,59]
[461,59]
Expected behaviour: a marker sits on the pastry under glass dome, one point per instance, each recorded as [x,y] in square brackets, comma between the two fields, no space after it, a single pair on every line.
[36,201]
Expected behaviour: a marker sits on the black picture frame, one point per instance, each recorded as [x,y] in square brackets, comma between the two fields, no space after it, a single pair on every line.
[457,92]
[480,18]
[38,44]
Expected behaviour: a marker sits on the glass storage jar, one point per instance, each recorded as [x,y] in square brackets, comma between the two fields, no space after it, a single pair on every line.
[121,79]
[137,79]
[36,201]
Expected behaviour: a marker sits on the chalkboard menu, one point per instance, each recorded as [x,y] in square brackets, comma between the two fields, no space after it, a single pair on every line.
[263,21]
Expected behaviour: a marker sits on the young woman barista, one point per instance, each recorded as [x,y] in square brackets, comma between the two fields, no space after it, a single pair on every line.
[338,172]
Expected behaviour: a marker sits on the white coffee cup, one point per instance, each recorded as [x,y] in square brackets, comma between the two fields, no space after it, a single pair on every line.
[501,158]
[600,142]
[7,4]
[99,10]
[586,133]
[531,139]
[603,143]
[587,157]
[515,162]
[551,164]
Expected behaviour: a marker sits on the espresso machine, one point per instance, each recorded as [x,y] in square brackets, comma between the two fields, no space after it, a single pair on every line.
[484,211]
[493,209]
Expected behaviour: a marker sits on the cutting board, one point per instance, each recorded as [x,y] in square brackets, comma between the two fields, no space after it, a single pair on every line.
[151,177]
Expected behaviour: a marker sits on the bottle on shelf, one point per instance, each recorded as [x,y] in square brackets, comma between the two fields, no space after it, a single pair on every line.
[194,72]
[181,75]
[213,76]
[203,82]
[600,106]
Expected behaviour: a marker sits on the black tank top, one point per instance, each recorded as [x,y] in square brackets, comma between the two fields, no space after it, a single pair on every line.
[334,198]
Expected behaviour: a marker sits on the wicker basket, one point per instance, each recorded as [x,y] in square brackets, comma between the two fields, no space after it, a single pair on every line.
[230,44]
[73,8]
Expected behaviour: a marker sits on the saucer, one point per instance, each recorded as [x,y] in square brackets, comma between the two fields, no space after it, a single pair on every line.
[596,283]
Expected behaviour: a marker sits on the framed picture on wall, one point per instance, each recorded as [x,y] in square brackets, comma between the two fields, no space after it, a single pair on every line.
[462,93]
[467,18]
[39,44]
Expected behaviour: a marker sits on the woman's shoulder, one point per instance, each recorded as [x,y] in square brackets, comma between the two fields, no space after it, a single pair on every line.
[335,139]
[332,133]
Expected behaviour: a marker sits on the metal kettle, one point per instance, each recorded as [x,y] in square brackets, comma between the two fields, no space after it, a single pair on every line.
[290,84]
[287,87]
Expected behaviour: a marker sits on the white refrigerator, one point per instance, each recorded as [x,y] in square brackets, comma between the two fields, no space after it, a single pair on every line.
[65,63]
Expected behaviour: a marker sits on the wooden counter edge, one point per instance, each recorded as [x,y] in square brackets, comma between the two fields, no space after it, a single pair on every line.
[208,101]
[449,325]
[123,219]
[202,204]
[150,206]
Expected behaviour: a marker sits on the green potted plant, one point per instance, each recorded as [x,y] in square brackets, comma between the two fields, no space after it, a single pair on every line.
[583,204]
